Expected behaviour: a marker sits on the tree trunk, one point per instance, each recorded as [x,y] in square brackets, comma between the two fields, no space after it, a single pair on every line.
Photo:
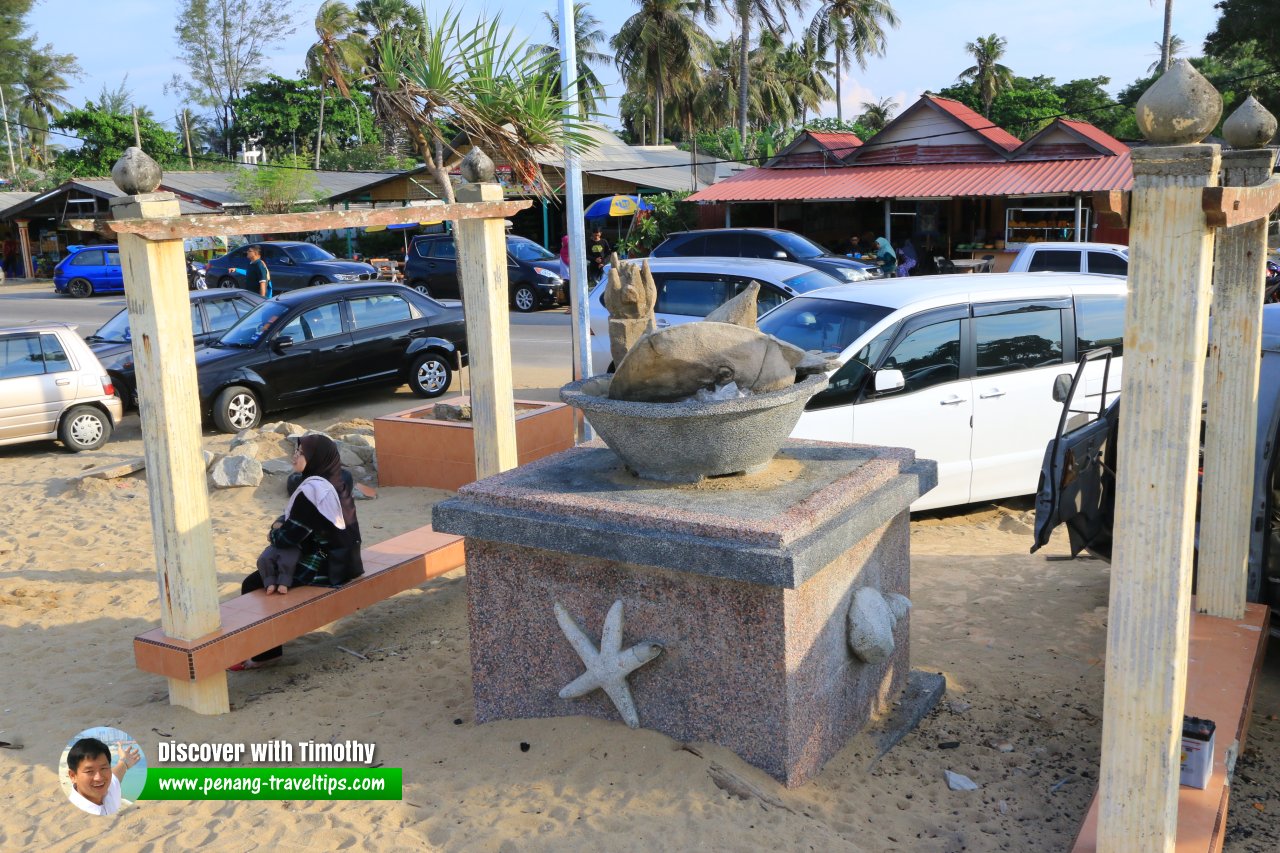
[743,53]
[839,70]
[320,128]
[1165,59]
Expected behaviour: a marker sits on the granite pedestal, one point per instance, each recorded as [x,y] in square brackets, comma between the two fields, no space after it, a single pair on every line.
[745,581]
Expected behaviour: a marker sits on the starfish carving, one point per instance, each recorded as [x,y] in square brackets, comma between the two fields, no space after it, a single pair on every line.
[608,666]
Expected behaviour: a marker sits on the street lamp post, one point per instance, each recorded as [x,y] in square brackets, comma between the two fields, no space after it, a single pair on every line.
[573,204]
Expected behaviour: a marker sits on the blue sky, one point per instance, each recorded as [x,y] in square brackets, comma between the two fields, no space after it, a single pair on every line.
[1083,38]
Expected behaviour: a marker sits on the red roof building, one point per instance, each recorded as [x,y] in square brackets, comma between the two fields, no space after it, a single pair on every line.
[940,174]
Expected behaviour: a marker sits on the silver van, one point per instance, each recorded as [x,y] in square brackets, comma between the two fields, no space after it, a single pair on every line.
[53,386]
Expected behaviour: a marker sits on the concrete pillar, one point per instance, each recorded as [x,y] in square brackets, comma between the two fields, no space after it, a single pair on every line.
[24,245]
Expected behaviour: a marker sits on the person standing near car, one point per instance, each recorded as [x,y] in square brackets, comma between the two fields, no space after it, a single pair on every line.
[598,250]
[258,276]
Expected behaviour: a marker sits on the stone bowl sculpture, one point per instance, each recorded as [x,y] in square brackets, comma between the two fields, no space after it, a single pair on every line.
[687,441]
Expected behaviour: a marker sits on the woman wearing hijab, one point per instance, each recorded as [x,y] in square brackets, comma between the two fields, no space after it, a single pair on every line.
[319,521]
[886,257]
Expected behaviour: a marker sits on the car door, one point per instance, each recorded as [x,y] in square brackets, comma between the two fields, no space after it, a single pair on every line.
[1018,354]
[317,357]
[722,244]
[284,273]
[113,273]
[36,383]
[90,264]
[442,270]
[382,325]
[933,413]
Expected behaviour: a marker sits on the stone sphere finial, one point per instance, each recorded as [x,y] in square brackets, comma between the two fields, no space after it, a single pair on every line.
[1251,125]
[477,167]
[136,173]
[1181,108]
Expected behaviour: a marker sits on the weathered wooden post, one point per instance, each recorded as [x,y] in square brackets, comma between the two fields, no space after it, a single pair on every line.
[1231,389]
[482,268]
[1166,331]
[155,280]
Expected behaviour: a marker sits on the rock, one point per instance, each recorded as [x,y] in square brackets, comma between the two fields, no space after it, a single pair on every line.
[960,782]
[278,466]
[673,363]
[135,173]
[244,436]
[741,310]
[1000,745]
[949,744]
[956,706]
[232,472]
[870,625]
[899,605]
[355,426]
[358,472]
[247,448]
[349,457]
[286,428]
[451,412]
[209,456]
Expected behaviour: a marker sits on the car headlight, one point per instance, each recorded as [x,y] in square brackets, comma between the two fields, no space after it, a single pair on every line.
[546,273]
[853,274]
[346,276]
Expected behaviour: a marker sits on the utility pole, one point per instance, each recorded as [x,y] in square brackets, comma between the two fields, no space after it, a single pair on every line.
[186,133]
[573,205]
[8,140]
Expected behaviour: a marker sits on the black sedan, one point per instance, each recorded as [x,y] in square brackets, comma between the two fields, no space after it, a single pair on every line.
[533,273]
[212,313]
[292,264]
[315,343]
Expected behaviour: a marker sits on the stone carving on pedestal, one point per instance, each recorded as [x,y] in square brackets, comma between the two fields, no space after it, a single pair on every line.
[608,666]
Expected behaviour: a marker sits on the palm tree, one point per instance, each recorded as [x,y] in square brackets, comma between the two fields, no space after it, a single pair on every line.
[587,34]
[1165,54]
[855,28]
[383,21]
[987,73]
[660,49]
[1166,42]
[805,70]
[771,15]
[43,79]
[876,114]
[337,55]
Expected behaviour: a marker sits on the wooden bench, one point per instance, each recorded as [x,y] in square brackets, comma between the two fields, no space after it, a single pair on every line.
[253,623]
[1223,662]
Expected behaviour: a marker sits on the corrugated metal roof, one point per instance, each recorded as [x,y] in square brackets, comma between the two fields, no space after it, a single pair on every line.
[1096,135]
[9,199]
[929,180]
[837,143]
[976,122]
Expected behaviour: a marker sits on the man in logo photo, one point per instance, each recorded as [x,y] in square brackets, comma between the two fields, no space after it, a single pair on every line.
[95,784]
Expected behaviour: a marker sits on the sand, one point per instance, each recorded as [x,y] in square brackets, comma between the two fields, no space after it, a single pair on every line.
[1020,638]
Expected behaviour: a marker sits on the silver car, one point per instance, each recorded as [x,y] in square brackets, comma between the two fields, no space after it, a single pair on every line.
[52,386]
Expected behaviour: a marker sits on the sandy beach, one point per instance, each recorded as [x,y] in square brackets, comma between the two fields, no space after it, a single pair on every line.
[1019,637]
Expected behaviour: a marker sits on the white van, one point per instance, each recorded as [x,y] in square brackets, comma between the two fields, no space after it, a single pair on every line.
[1092,258]
[959,368]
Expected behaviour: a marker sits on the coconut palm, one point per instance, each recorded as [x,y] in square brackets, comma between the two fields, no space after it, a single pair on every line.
[805,71]
[876,114]
[587,35]
[42,80]
[855,29]
[771,15]
[987,73]
[1166,42]
[1175,47]
[337,56]
[383,21]
[660,49]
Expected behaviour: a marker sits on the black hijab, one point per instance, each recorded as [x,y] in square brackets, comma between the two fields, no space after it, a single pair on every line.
[323,461]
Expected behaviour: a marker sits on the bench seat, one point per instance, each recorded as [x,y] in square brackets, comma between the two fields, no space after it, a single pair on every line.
[253,623]
[1223,662]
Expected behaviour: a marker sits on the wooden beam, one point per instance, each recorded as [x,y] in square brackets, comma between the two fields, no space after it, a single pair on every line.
[155,281]
[1231,392]
[482,268]
[1111,208]
[1231,206]
[1166,333]
[177,227]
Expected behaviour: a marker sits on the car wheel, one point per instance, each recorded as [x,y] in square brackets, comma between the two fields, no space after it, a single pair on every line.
[80,288]
[84,428]
[316,282]
[525,299]
[226,282]
[421,287]
[430,375]
[236,408]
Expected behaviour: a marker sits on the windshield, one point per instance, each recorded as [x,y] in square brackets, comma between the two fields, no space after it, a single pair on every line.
[307,252]
[798,246]
[812,280]
[825,325]
[114,331]
[527,250]
[253,326]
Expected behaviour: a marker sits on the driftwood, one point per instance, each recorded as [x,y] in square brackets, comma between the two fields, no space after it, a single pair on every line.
[113,469]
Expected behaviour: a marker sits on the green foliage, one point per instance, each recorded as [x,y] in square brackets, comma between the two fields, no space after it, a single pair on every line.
[1030,103]
[726,144]
[365,158]
[831,125]
[104,136]
[278,190]
[670,213]
[1242,21]
[281,113]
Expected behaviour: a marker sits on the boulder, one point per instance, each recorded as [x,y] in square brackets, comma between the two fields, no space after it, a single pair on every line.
[236,471]
[870,626]
[358,426]
[451,412]
[960,782]
[349,457]
[278,466]
[209,456]
[244,436]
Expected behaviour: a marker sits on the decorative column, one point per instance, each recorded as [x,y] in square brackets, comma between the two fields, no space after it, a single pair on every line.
[24,243]
[482,268]
[1231,392]
[1166,332]
[155,282]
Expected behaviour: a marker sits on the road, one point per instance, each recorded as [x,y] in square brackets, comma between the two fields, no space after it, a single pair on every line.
[540,340]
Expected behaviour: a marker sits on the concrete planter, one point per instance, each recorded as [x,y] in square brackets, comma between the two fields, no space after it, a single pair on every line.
[415,449]
[684,442]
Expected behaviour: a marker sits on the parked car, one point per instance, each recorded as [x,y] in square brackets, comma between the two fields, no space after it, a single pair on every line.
[691,288]
[87,270]
[52,386]
[1078,475]
[293,264]
[1093,258]
[957,367]
[212,313]
[312,344]
[770,243]
[533,273]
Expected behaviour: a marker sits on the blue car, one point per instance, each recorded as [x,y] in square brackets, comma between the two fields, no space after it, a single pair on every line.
[89,270]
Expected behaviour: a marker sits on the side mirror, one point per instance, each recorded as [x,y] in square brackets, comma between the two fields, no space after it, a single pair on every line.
[282,343]
[286,260]
[781,255]
[1061,387]
[889,380]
